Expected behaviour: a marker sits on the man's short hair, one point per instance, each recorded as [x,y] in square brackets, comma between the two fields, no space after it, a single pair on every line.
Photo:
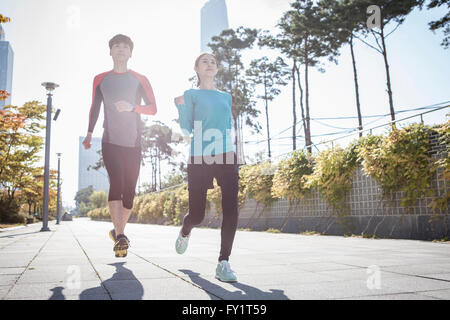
[120,38]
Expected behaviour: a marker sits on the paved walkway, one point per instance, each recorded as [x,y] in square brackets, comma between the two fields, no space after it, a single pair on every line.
[75,261]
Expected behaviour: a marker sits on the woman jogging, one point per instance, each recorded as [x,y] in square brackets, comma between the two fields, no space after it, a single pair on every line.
[121,91]
[206,112]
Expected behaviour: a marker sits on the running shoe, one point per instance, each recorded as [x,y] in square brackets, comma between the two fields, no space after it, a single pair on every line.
[121,246]
[112,235]
[224,272]
[182,243]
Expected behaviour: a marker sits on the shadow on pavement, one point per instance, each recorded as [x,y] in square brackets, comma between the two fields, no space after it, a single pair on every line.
[57,294]
[247,292]
[18,234]
[132,289]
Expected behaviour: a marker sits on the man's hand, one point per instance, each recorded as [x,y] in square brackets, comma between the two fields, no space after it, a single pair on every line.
[87,141]
[123,106]
[179,100]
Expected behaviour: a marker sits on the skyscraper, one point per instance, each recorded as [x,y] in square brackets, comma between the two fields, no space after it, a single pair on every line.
[6,67]
[98,179]
[214,19]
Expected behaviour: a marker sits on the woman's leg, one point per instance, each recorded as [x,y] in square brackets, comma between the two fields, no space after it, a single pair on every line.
[228,179]
[197,206]
[200,178]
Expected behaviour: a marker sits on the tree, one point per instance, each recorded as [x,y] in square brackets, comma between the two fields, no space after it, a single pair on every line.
[98,199]
[4,19]
[19,147]
[228,48]
[32,193]
[348,19]
[157,146]
[443,23]
[309,26]
[270,75]
[82,199]
[390,11]
[288,44]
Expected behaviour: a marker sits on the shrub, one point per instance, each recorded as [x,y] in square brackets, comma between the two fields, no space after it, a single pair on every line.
[333,174]
[442,166]
[255,182]
[289,180]
[400,162]
[182,205]
[9,212]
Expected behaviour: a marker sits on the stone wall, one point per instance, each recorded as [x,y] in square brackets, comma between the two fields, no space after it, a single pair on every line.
[369,213]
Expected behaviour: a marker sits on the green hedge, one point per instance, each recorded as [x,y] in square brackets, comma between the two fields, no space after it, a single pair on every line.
[399,161]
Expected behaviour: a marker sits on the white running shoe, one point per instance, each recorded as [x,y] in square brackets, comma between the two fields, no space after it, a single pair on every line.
[224,272]
[182,243]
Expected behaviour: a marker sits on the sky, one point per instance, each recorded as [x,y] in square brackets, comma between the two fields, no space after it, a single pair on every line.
[66,41]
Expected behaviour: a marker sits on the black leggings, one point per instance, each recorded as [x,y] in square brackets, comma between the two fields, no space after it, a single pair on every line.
[200,178]
[123,165]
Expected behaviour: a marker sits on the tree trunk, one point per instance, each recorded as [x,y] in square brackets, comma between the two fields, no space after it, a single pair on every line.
[388,77]
[301,100]
[355,73]
[294,128]
[308,131]
[159,168]
[267,116]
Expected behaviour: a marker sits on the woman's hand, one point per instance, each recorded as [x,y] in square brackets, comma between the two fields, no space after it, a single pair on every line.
[179,100]
[123,106]
[87,141]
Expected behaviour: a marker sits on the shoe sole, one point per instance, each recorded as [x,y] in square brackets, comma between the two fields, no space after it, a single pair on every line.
[181,252]
[121,251]
[218,278]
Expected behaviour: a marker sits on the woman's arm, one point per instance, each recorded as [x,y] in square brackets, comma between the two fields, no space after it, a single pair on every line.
[185,112]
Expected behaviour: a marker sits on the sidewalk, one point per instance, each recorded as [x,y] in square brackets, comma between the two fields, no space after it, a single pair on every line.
[75,261]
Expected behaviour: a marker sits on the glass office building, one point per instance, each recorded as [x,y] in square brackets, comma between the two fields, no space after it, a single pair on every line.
[214,19]
[6,67]
[98,179]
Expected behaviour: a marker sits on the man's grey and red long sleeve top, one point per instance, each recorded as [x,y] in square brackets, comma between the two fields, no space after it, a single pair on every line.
[121,128]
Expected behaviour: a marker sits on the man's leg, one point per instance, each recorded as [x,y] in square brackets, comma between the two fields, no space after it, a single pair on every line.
[131,158]
[115,210]
[114,167]
[119,215]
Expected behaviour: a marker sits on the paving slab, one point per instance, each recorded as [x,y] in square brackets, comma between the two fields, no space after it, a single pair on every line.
[75,261]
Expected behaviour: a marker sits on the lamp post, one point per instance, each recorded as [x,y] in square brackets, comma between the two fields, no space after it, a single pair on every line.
[49,86]
[58,199]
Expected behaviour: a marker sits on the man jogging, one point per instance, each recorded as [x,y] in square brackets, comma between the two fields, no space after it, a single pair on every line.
[121,91]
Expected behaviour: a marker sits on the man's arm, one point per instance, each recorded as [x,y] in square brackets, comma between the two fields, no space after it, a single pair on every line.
[95,108]
[146,92]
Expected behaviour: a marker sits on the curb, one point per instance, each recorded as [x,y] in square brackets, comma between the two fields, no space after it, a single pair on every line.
[19,227]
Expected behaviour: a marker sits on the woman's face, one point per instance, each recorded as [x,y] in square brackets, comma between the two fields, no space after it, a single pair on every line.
[206,66]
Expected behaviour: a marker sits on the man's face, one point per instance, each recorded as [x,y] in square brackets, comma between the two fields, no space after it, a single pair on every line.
[120,52]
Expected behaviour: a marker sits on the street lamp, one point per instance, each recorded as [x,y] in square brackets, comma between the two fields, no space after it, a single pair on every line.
[58,200]
[49,86]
